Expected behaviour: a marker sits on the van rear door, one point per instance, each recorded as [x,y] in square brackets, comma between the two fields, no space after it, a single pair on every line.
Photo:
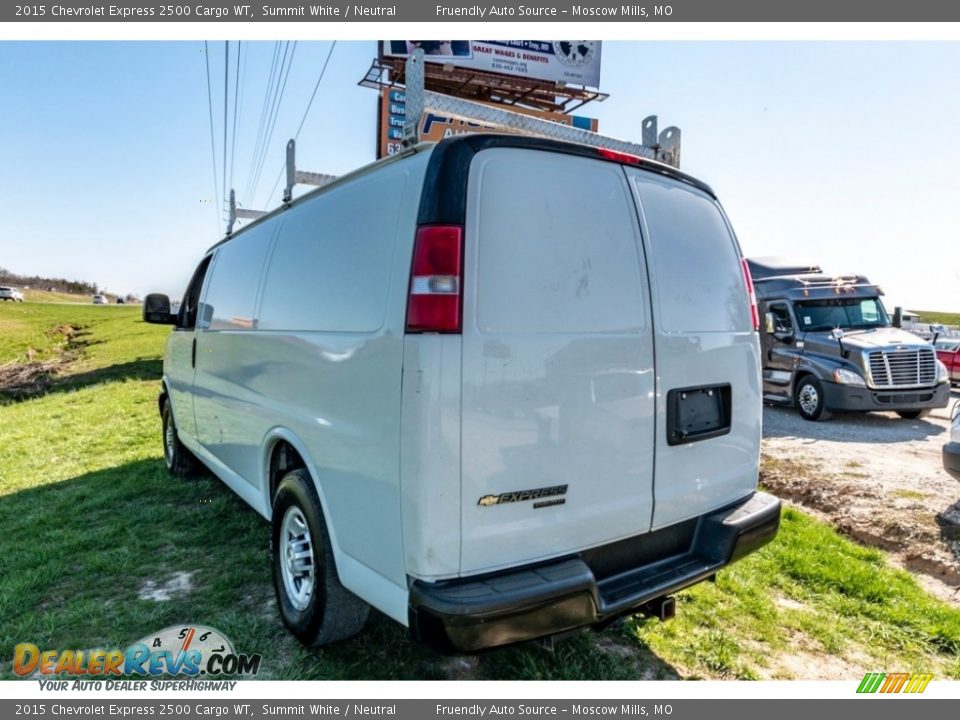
[558,360]
[707,353]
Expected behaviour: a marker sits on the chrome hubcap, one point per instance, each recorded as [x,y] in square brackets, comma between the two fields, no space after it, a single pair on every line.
[168,443]
[809,399]
[296,558]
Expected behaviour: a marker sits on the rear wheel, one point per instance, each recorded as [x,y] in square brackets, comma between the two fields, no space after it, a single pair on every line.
[913,414]
[810,399]
[313,604]
[179,461]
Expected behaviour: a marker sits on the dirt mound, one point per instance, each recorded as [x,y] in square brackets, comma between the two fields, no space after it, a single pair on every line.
[26,378]
[877,479]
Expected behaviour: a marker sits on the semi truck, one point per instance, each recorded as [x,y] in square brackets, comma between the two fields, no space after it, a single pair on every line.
[828,345]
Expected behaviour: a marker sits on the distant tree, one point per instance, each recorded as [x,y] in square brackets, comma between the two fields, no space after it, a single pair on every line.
[77,287]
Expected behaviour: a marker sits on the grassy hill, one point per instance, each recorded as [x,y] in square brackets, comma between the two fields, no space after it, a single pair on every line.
[91,520]
[45,296]
[944,318]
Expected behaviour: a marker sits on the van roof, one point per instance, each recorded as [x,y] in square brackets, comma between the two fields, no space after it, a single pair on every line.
[443,200]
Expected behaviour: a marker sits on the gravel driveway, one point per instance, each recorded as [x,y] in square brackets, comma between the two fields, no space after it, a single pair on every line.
[877,478]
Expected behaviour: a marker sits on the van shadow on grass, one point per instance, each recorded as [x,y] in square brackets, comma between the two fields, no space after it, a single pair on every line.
[82,559]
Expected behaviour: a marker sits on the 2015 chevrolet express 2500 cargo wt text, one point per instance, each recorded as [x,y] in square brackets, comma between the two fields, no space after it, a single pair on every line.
[498,388]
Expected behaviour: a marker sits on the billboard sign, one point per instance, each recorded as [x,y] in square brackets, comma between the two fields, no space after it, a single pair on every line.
[571,61]
[434,127]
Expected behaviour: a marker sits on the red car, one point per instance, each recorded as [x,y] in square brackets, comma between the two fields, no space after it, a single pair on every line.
[948,352]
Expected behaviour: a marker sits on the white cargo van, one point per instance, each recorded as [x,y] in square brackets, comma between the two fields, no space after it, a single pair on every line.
[497,388]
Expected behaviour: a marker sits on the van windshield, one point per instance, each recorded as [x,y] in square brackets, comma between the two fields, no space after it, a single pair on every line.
[848,313]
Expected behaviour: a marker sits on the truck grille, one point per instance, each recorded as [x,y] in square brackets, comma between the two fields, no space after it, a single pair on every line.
[903,368]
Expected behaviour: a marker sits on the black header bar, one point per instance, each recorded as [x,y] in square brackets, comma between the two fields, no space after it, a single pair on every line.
[538,11]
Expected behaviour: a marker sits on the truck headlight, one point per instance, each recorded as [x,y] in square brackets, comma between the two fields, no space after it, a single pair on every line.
[843,376]
[942,374]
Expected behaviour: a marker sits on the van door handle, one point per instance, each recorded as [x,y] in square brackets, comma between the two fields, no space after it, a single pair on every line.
[193,353]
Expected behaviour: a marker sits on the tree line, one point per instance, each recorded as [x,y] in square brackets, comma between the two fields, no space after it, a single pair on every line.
[37,282]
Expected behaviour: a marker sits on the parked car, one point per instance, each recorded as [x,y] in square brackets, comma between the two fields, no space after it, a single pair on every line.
[10,294]
[951,451]
[466,389]
[948,352]
[99,300]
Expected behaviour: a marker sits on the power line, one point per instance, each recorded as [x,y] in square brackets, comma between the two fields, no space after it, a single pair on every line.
[272,123]
[213,150]
[236,103]
[305,113]
[226,96]
[263,117]
[315,88]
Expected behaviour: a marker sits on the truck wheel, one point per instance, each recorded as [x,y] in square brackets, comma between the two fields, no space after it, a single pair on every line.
[179,461]
[313,604]
[913,414]
[811,400]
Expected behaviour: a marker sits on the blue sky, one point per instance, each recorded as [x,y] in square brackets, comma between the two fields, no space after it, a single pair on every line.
[843,153]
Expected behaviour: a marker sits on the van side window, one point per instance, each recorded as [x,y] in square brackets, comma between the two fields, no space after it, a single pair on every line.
[187,318]
[782,322]
[234,280]
[330,267]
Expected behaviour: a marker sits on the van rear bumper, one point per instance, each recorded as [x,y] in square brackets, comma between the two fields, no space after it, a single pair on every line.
[470,614]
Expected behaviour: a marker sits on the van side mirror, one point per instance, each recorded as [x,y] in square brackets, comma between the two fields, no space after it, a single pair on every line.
[156,310]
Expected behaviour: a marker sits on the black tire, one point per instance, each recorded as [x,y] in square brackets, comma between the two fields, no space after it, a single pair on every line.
[179,461]
[316,608]
[810,399]
[913,414]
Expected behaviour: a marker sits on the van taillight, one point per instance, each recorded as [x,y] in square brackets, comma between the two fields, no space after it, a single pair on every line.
[754,311]
[436,280]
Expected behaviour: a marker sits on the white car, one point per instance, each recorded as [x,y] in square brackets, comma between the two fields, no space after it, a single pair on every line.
[498,388]
[99,300]
[10,294]
[951,450]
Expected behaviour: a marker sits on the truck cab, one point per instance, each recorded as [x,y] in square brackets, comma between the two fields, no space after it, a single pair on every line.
[828,345]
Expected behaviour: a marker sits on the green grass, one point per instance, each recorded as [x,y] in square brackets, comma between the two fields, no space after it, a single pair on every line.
[45,296]
[943,318]
[29,331]
[89,515]
[813,590]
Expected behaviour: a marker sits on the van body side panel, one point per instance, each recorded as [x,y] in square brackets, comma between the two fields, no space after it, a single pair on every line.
[704,338]
[558,376]
[430,455]
[178,359]
[229,426]
[178,373]
[323,360]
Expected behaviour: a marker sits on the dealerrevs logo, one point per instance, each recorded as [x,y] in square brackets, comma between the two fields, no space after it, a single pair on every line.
[177,650]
